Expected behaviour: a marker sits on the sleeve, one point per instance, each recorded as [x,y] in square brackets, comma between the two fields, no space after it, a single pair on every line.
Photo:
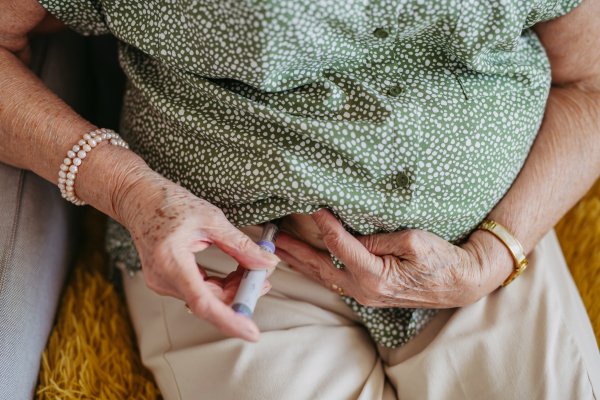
[489,31]
[545,10]
[85,17]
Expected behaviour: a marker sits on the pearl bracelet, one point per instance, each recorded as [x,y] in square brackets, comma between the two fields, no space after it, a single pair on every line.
[70,166]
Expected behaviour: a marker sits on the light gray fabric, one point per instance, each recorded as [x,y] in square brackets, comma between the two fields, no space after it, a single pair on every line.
[35,257]
[36,232]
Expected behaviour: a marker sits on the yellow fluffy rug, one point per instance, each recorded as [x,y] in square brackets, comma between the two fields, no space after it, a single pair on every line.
[91,353]
[579,236]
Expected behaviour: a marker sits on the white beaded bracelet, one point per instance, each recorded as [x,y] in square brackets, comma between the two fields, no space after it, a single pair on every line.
[70,166]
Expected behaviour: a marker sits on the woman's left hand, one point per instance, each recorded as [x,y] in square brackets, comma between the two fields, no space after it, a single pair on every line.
[410,268]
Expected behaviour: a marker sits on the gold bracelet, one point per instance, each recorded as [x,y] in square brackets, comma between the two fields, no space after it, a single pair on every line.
[511,243]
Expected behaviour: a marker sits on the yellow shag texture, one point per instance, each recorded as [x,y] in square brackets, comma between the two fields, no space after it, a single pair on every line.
[579,236]
[92,353]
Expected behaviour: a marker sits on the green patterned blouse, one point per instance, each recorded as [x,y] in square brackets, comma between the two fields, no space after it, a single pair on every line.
[393,114]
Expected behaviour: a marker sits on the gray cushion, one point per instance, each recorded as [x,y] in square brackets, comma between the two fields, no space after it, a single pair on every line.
[36,231]
[35,253]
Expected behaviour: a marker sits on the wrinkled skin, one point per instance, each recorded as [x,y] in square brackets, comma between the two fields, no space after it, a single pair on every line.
[404,269]
[410,268]
[168,227]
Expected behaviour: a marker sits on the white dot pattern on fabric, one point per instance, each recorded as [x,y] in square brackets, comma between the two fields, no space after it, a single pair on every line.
[393,114]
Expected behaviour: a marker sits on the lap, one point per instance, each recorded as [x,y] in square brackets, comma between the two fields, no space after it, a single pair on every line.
[530,340]
[304,329]
[509,345]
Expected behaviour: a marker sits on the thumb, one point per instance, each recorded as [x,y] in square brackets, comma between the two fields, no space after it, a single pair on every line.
[383,243]
[239,246]
[341,243]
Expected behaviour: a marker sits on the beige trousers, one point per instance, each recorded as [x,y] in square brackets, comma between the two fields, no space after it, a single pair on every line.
[530,340]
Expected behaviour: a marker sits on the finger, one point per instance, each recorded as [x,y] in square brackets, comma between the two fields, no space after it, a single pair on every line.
[205,304]
[163,289]
[266,287]
[342,244]
[226,289]
[310,274]
[266,284]
[406,242]
[235,278]
[287,258]
[239,246]
[233,285]
[313,263]
[223,317]
[202,271]
[303,269]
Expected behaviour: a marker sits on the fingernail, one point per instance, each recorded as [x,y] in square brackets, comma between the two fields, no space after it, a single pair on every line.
[265,290]
[272,257]
[250,335]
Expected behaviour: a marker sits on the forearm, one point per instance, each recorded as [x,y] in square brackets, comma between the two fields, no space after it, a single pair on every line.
[37,130]
[36,126]
[562,165]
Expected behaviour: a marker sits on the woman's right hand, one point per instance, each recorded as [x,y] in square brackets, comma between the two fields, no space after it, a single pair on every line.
[168,225]
[167,222]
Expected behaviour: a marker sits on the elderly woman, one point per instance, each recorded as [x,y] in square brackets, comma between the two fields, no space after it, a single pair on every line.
[399,126]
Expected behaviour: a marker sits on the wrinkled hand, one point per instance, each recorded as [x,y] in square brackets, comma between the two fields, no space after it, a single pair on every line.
[410,268]
[168,225]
